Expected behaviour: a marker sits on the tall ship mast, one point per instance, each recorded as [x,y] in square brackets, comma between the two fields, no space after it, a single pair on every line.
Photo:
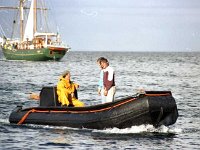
[32,43]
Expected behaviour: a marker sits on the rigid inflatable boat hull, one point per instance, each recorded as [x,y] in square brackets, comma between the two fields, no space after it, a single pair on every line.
[124,113]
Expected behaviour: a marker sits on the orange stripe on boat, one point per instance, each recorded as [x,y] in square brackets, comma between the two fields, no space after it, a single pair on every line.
[57,111]
[83,111]
[166,94]
[57,48]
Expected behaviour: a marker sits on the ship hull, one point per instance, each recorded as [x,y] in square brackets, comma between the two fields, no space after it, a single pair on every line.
[42,54]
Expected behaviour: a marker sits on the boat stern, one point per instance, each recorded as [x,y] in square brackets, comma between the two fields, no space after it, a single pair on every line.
[162,108]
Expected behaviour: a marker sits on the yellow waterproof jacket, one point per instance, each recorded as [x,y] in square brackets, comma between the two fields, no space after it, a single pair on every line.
[65,91]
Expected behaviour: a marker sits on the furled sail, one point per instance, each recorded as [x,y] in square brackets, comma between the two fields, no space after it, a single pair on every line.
[28,34]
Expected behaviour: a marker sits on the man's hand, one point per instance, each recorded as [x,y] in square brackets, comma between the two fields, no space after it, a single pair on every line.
[76,85]
[105,92]
[99,92]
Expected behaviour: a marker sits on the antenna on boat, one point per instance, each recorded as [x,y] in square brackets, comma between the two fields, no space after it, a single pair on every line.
[1,31]
[2,37]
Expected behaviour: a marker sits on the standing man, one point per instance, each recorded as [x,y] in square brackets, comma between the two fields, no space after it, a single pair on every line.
[108,80]
[100,83]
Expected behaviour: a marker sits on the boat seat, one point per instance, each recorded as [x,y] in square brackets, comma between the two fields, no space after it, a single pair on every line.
[49,97]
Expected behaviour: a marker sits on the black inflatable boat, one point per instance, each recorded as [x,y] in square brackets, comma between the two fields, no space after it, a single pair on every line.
[154,107]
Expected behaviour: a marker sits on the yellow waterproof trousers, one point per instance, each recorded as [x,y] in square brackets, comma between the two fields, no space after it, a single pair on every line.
[77,103]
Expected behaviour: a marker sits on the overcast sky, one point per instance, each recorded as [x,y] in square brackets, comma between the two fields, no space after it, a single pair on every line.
[129,25]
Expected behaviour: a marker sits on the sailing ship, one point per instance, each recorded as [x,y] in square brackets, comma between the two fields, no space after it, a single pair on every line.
[33,45]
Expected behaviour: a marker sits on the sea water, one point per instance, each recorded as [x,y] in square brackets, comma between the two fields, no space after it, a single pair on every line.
[177,72]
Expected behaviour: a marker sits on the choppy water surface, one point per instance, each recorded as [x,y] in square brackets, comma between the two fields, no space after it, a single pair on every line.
[177,72]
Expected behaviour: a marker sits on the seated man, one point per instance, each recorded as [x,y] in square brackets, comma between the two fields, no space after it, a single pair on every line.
[65,91]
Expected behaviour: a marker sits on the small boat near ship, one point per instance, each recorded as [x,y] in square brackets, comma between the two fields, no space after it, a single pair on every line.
[34,44]
[152,107]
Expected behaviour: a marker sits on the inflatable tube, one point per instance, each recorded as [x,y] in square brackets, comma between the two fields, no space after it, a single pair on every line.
[154,107]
